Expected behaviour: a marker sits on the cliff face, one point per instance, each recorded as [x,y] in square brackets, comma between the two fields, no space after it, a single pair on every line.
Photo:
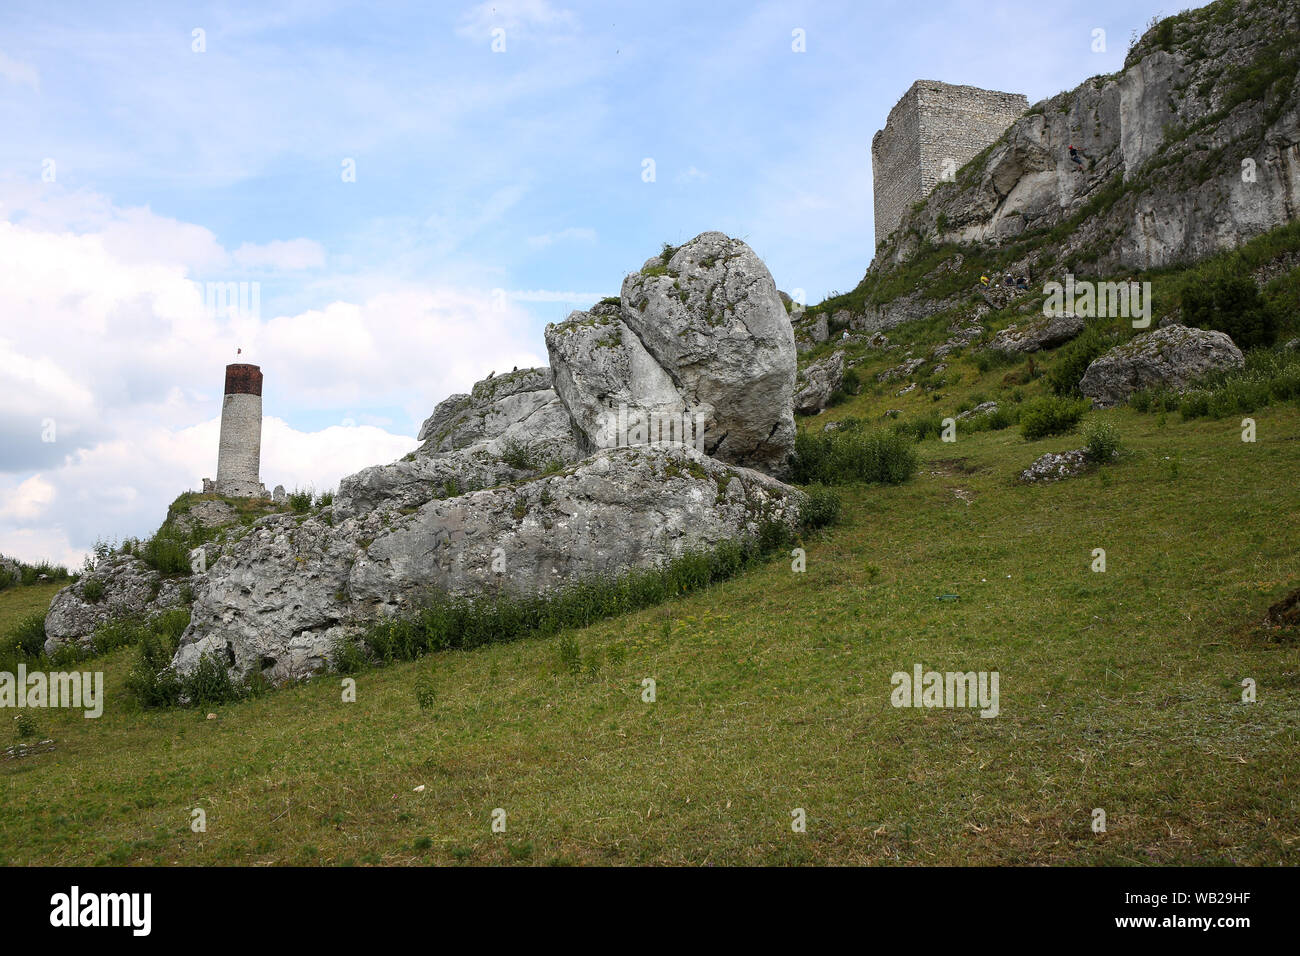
[1193,148]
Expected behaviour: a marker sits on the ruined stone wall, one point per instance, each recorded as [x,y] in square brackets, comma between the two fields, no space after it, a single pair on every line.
[933,131]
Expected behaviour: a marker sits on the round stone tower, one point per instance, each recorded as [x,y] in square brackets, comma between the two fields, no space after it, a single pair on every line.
[239,455]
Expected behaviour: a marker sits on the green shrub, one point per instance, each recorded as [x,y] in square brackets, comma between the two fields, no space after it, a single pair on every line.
[852,454]
[822,508]
[1073,360]
[518,455]
[26,638]
[27,727]
[167,552]
[300,501]
[1228,303]
[93,590]
[1050,416]
[852,382]
[1101,441]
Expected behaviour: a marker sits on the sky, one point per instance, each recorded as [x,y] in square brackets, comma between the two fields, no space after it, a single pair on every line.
[413,190]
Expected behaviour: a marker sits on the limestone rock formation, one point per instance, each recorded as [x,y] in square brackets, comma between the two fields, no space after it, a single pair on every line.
[1175,358]
[521,485]
[509,427]
[817,383]
[710,317]
[279,600]
[1046,333]
[1183,156]
[126,585]
[606,378]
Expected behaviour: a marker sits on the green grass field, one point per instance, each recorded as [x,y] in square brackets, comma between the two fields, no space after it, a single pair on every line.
[1119,690]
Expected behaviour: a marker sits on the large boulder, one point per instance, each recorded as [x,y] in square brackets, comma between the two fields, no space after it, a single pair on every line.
[1175,358]
[1046,333]
[119,586]
[817,383]
[281,597]
[710,317]
[607,380]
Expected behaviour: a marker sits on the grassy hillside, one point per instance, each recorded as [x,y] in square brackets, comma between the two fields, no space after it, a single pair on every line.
[1119,690]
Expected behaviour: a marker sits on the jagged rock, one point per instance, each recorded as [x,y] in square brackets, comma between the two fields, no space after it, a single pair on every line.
[130,587]
[1056,466]
[279,495]
[207,515]
[983,408]
[902,370]
[509,427]
[608,381]
[710,318]
[820,381]
[1292,346]
[285,593]
[878,340]
[1047,333]
[1175,358]
[961,336]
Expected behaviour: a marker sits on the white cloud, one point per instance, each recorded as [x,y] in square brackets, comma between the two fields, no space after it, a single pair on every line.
[118,351]
[28,501]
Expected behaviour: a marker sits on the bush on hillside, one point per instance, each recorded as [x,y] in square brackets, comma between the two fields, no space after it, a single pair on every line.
[1050,416]
[852,454]
[1229,303]
[1073,360]
[1101,441]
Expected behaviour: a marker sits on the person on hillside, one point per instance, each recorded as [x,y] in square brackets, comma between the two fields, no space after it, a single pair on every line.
[1076,157]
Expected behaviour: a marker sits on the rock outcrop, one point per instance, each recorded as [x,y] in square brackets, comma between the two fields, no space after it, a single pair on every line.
[817,383]
[709,316]
[509,427]
[1056,466]
[1186,153]
[119,586]
[278,602]
[1174,358]
[539,479]
[1046,333]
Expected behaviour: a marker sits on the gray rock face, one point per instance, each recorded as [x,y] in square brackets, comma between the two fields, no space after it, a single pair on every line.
[282,596]
[510,427]
[817,383]
[1185,197]
[1047,333]
[961,336]
[1175,358]
[516,487]
[711,319]
[606,378]
[130,587]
